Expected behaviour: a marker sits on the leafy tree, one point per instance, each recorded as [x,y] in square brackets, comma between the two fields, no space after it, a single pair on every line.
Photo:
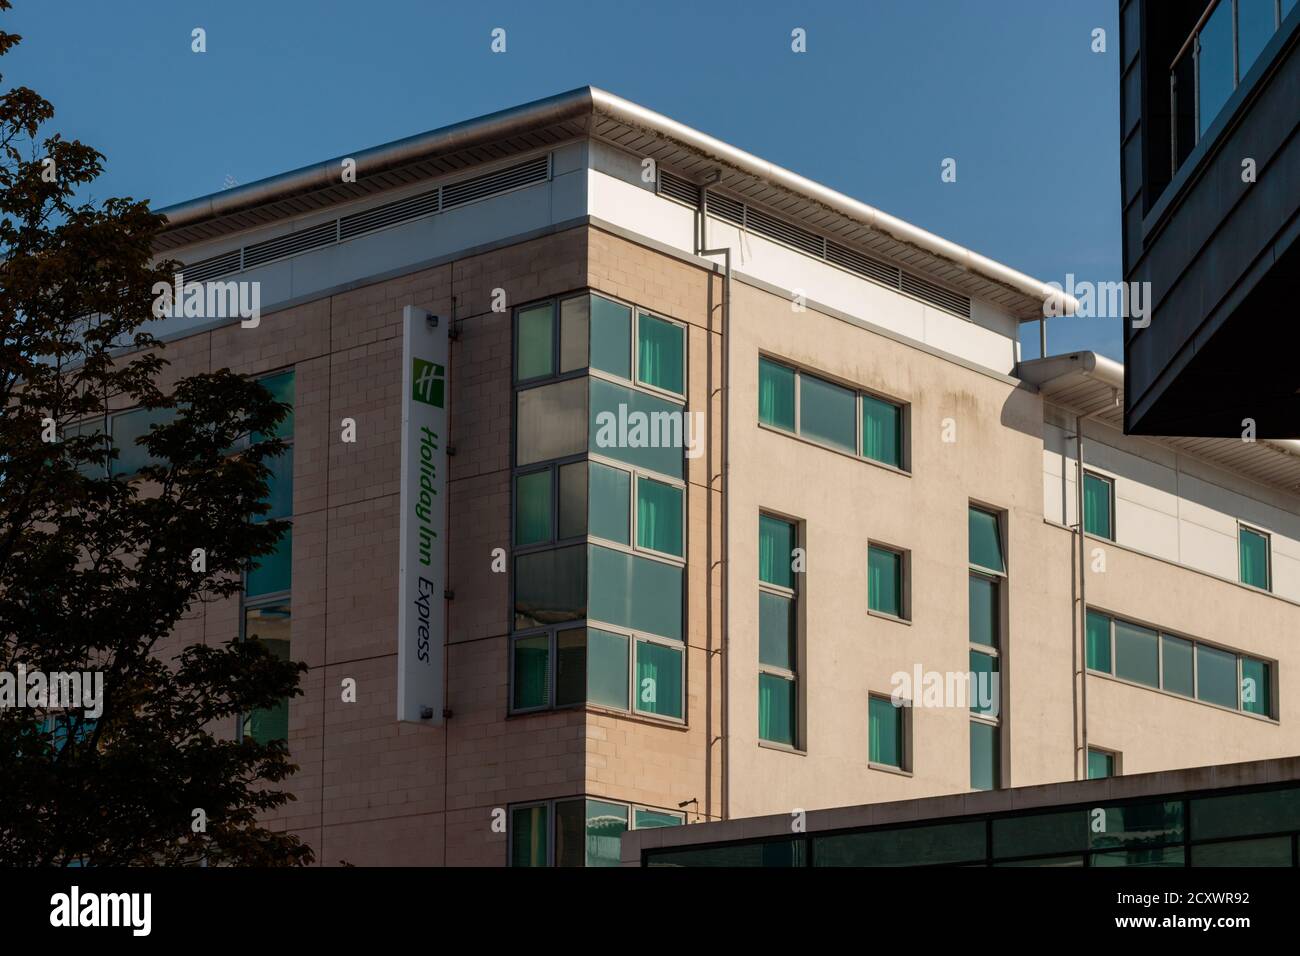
[96,569]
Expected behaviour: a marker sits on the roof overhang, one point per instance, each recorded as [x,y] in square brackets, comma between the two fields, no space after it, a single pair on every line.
[588,111]
[1092,385]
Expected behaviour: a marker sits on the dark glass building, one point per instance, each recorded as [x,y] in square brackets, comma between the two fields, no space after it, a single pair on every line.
[1210,173]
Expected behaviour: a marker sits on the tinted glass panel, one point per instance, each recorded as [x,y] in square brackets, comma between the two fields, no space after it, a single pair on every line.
[606,824]
[1269,811]
[1215,64]
[910,846]
[573,499]
[532,672]
[528,829]
[570,832]
[985,540]
[885,732]
[983,611]
[776,714]
[551,421]
[281,388]
[570,667]
[1041,833]
[1137,825]
[776,544]
[1136,653]
[271,626]
[1254,559]
[1177,664]
[985,691]
[1100,765]
[658,679]
[1166,856]
[882,431]
[273,572]
[779,853]
[1255,26]
[827,413]
[1271,852]
[649,819]
[607,668]
[635,592]
[885,581]
[1098,641]
[534,342]
[129,426]
[279,485]
[611,337]
[550,587]
[1256,687]
[984,774]
[575,315]
[659,516]
[610,495]
[1216,676]
[775,394]
[661,353]
[776,630]
[637,428]
[1096,506]
[533,508]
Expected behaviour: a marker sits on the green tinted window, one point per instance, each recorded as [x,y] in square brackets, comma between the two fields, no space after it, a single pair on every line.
[570,667]
[1254,558]
[550,421]
[535,342]
[885,732]
[532,662]
[776,713]
[1100,764]
[637,428]
[533,508]
[573,499]
[650,819]
[985,691]
[1136,654]
[270,625]
[575,318]
[607,668]
[1097,506]
[775,394]
[550,587]
[272,572]
[984,773]
[279,485]
[827,413]
[281,388]
[882,431]
[1098,641]
[1243,814]
[983,610]
[661,354]
[659,516]
[127,427]
[776,630]
[606,824]
[528,836]
[658,679]
[611,337]
[1165,856]
[1256,687]
[885,581]
[1275,851]
[1177,664]
[776,544]
[1137,825]
[635,592]
[771,853]
[904,846]
[609,495]
[985,540]
[1216,676]
[1038,833]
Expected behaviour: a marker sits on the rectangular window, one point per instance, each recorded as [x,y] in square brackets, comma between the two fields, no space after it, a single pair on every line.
[128,427]
[826,413]
[1256,686]
[1101,763]
[532,672]
[658,679]
[589,666]
[984,687]
[575,323]
[776,631]
[887,743]
[1177,669]
[579,831]
[528,836]
[550,421]
[776,544]
[983,611]
[573,500]
[885,580]
[661,353]
[985,773]
[533,507]
[776,709]
[611,337]
[644,818]
[778,650]
[272,573]
[1137,653]
[1254,558]
[1098,641]
[985,540]
[1098,506]
[270,624]
[639,593]
[535,342]
[638,428]
[775,394]
[659,516]
[550,587]
[882,431]
[610,496]
[1216,676]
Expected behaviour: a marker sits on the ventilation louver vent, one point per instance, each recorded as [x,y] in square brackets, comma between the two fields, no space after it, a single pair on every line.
[765,224]
[206,269]
[725,208]
[282,247]
[389,214]
[675,187]
[492,184]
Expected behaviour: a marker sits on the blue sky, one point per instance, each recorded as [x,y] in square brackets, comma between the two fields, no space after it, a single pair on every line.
[886,91]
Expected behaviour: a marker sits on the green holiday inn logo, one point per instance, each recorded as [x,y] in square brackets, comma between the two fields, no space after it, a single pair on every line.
[427,382]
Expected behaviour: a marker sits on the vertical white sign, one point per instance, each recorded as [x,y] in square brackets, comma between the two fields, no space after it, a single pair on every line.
[422,585]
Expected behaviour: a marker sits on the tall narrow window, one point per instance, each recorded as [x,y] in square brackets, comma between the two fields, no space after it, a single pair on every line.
[775,394]
[535,342]
[885,570]
[1101,763]
[661,353]
[882,431]
[1253,549]
[778,679]
[987,564]
[886,731]
[1098,506]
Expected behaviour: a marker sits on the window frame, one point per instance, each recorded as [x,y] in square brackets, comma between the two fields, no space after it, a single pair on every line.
[635,475]
[904,731]
[1243,526]
[1110,505]
[904,556]
[904,416]
[999,579]
[659,390]
[792,675]
[551,821]
[1196,642]
[1116,769]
